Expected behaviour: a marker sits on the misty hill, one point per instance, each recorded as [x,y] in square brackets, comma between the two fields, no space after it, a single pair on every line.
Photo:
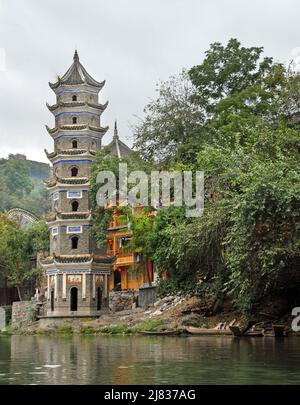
[21,184]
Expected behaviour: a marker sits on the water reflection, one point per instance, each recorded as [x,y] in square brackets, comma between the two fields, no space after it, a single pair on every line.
[148,360]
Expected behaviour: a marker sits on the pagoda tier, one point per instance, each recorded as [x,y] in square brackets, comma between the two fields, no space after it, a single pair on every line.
[69,152]
[66,181]
[73,104]
[76,127]
[76,75]
[78,259]
[54,216]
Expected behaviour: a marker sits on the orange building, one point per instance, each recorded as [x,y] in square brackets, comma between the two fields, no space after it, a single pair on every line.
[131,270]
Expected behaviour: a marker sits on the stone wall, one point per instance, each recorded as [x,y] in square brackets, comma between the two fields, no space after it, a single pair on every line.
[23,313]
[147,296]
[122,300]
[2,318]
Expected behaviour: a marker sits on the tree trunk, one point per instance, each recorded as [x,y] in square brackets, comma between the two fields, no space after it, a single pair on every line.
[19,292]
[148,274]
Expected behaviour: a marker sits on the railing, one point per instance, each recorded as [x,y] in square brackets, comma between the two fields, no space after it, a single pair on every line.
[125,259]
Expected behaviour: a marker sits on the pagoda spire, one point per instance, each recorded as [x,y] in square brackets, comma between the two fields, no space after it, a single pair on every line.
[116,134]
[76,57]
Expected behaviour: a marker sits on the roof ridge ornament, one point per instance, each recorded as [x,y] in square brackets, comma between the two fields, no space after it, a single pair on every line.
[116,134]
[76,57]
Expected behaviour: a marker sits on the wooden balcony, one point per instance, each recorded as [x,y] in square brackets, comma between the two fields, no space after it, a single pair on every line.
[125,259]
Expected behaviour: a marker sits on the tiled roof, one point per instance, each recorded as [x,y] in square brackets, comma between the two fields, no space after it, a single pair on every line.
[117,147]
[100,107]
[75,75]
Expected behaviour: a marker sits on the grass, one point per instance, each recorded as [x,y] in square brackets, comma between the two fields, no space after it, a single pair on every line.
[149,326]
[66,329]
[116,330]
[88,330]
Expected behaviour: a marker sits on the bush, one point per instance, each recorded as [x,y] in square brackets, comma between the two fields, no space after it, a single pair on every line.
[87,330]
[150,326]
[116,330]
[32,314]
[66,329]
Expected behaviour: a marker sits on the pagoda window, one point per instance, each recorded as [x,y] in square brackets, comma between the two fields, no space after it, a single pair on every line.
[74,120]
[75,206]
[74,144]
[74,171]
[74,98]
[74,241]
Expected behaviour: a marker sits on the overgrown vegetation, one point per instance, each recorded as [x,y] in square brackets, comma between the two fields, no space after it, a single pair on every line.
[19,249]
[21,185]
[236,117]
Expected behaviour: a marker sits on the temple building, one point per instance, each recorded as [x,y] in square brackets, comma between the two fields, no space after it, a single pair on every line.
[117,147]
[131,270]
[77,271]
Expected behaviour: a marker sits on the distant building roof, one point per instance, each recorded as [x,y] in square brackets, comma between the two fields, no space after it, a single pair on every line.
[17,156]
[76,74]
[117,147]
[25,218]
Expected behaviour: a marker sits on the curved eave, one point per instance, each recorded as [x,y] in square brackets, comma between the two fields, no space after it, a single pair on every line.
[53,216]
[104,259]
[76,127]
[91,82]
[64,154]
[51,131]
[59,263]
[55,262]
[55,85]
[54,107]
[102,130]
[100,107]
[71,220]
[50,155]
[67,183]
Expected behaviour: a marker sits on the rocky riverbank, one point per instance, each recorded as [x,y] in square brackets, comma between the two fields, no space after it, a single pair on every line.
[172,313]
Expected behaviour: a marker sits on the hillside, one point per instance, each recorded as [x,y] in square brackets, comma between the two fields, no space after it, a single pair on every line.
[21,184]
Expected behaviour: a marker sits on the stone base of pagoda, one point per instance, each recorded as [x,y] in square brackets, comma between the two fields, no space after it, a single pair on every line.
[57,321]
[75,294]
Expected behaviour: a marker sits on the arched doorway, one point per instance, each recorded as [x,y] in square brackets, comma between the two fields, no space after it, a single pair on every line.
[99,298]
[117,280]
[74,241]
[75,205]
[74,171]
[52,300]
[74,299]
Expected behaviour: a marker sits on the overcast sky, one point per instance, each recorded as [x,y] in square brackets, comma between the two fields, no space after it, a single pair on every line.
[132,44]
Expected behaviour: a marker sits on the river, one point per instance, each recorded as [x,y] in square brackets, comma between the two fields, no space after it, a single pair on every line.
[148,360]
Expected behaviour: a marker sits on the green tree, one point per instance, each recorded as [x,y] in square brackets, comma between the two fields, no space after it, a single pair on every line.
[247,242]
[171,121]
[17,177]
[17,248]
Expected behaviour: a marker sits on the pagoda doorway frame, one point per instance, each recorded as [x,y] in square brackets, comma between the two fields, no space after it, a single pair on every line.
[52,299]
[99,298]
[73,299]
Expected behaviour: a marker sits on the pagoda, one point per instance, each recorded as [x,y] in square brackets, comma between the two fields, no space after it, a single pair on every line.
[77,271]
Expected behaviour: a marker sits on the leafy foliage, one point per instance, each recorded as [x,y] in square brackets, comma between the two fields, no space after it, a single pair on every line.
[18,247]
[21,185]
[247,142]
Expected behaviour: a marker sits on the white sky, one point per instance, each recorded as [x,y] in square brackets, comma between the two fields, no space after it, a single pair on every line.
[132,44]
